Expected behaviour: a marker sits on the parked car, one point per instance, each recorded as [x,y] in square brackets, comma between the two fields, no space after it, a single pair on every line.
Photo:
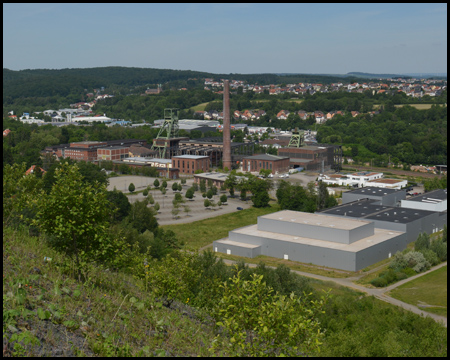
[239,208]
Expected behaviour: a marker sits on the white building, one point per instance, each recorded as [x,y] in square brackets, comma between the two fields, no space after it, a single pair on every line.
[358,179]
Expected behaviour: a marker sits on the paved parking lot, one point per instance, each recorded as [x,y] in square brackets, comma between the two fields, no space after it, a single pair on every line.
[196,205]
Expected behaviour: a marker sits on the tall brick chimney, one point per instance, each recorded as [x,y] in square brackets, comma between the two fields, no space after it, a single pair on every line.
[226,159]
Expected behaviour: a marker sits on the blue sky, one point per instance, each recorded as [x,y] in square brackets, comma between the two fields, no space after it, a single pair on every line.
[228,38]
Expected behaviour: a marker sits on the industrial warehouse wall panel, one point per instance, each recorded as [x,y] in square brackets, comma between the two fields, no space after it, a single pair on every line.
[316,231]
[311,254]
[381,251]
[227,247]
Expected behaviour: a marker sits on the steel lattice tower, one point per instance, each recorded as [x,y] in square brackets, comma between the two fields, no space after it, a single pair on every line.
[169,130]
[297,138]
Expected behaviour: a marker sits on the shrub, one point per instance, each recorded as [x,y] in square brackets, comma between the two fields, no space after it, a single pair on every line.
[401,276]
[379,282]
[430,256]
[422,242]
[408,271]
[412,259]
[440,248]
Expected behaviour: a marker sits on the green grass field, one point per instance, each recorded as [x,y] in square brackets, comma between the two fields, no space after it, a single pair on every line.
[430,289]
[417,106]
[200,107]
[203,232]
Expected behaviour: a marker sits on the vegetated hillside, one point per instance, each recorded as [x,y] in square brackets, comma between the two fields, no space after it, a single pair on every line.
[399,135]
[113,315]
[85,272]
[46,82]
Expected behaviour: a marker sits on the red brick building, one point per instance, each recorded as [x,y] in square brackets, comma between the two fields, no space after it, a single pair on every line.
[84,150]
[276,164]
[113,153]
[188,164]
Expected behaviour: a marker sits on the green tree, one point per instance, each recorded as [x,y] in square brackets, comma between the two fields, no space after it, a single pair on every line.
[164,184]
[259,189]
[206,203]
[156,207]
[267,323]
[223,198]
[120,204]
[187,210]
[76,216]
[174,186]
[180,187]
[142,217]
[209,194]
[189,194]
[131,188]
[145,192]
[156,183]
[422,242]
[202,185]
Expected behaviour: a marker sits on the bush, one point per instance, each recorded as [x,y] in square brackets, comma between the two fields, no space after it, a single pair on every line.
[439,247]
[401,276]
[430,256]
[422,242]
[379,282]
[408,271]
[412,259]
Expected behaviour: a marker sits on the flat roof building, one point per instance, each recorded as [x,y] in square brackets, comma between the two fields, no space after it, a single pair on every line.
[276,164]
[188,164]
[347,244]
[411,221]
[435,200]
[388,197]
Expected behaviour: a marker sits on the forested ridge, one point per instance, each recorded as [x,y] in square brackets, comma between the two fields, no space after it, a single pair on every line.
[44,87]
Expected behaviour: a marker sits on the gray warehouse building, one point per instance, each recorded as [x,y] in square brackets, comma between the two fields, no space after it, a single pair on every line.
[411,221]
[389,197]
[435,200]
[341,243]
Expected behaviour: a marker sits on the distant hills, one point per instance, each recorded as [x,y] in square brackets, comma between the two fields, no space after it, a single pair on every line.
[386,76]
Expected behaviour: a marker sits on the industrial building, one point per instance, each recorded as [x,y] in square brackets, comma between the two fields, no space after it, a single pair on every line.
[113,153]
[218,179]
[363,178]
[410,221]
[276,164]
[347,244]
[387,197]
[87,150]
[188,164]
[163,166]
[317,158]
[435,200]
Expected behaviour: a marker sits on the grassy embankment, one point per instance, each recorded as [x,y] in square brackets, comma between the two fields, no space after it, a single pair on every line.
[111,315]
[429,291]
[108,315]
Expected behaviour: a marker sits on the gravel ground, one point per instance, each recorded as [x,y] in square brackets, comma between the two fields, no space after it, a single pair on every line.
[165,217]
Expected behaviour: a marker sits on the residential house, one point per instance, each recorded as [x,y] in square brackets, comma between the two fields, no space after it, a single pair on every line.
[32,169]
[319,116]
[283,115]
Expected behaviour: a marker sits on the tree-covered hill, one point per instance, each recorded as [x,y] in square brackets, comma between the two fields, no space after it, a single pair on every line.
[63,82]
